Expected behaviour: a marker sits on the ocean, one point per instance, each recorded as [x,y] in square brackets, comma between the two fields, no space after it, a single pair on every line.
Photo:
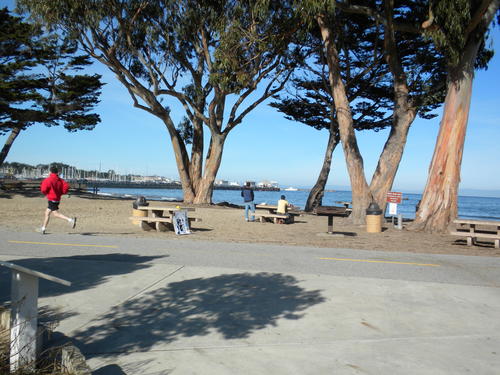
[469,207]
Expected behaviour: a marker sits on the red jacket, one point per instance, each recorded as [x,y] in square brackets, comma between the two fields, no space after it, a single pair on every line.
[53,187]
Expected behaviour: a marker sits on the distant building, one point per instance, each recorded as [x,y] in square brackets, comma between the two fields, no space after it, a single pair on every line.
[267,184]
[221,183]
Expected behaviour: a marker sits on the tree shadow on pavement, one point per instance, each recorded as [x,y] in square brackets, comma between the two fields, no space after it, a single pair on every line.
[232,305]
[83,271]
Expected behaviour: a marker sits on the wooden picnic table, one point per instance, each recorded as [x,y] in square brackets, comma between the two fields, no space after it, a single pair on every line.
[330,212]
[157,217]
[272,214]
[473,229]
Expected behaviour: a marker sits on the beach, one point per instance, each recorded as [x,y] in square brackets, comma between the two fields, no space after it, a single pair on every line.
[105,216]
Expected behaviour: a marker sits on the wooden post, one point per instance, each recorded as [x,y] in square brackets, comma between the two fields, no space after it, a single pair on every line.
[23,321]
[330,224]
[24,315]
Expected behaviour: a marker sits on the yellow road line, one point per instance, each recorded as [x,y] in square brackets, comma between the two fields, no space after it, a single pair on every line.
[382,261]
[62,244]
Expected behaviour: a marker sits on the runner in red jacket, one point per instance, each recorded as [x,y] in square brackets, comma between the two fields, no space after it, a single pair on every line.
[53,187]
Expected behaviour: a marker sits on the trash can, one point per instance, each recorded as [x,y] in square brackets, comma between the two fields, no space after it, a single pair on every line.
[373,218]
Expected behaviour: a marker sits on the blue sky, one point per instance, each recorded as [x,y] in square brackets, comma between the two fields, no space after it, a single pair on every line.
[265,146]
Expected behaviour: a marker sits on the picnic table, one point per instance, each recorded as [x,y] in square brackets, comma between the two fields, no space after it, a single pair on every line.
[331,212]
[159,217]
[473,229]
[273,215]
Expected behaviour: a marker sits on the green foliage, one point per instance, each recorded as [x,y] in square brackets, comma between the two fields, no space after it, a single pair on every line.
[369,83]
[171,47]
[37,80]
[450,29]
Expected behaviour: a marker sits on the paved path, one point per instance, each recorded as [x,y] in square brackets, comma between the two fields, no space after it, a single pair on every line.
[140,306]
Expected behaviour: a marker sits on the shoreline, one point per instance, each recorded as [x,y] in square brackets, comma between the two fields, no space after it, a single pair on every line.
[108,216]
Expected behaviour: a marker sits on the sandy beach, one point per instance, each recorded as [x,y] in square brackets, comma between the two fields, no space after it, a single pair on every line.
[102,216]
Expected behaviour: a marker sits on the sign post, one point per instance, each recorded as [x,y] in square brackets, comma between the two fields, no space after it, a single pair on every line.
[394,198]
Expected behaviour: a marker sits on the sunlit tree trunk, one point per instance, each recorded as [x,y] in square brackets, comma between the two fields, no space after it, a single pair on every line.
[438,206]
[315,197]
[212,163]
[361,196]
[8,144]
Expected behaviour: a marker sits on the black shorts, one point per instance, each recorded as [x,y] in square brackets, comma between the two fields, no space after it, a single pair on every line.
[53,206]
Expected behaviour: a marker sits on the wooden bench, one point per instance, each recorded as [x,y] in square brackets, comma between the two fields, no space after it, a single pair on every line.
[474,229]
[275,218]
[159,223]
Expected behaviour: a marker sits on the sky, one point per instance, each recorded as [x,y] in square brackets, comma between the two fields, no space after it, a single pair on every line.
[266,146]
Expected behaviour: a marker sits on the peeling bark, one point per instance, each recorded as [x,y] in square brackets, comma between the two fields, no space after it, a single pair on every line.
[438,206]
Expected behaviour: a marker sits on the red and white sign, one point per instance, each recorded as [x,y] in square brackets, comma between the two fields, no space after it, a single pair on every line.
[394,197]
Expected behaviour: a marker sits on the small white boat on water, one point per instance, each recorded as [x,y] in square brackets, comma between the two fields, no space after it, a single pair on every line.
[291,189]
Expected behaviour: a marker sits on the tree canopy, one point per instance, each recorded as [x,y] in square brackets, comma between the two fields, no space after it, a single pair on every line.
[211,57]
[39,81]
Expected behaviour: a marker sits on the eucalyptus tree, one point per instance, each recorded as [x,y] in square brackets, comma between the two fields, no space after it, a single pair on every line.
[218,59]
[39,81]
[458,28]
[417,72]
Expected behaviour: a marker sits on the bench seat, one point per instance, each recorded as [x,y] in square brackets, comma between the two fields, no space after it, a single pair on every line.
[262,216]
[471,236]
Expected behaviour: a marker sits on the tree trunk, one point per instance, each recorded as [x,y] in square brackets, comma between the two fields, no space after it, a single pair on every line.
[8,144]
[212,164]
[183,166]
[316,195]
[403,115]
[361,196]
[196,163]
[389,160]
[438,206]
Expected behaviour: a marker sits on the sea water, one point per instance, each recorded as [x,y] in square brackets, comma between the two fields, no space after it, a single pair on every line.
[469,207]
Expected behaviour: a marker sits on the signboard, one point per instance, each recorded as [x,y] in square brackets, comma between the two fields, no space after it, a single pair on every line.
[181,222]
[394,197]
[393,208]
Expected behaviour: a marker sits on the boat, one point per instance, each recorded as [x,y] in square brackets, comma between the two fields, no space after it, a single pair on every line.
[291,189]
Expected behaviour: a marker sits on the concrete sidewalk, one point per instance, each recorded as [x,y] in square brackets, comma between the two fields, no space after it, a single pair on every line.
[149,318]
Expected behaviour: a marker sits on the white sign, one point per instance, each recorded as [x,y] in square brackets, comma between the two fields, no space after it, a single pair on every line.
[181,222]
[393,208]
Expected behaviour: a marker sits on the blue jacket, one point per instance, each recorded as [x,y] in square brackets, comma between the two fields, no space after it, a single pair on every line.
[247,195]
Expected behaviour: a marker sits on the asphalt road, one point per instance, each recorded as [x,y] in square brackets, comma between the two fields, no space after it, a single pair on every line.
[186,306]
[457,269]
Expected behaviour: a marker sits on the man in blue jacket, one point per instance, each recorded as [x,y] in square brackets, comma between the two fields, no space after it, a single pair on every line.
[248,197]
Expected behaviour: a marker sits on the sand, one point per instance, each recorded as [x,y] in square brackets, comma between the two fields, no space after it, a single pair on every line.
[102,216]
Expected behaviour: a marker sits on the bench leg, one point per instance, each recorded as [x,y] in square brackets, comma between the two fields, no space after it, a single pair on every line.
[469,241]
[161,227]
[497,244]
